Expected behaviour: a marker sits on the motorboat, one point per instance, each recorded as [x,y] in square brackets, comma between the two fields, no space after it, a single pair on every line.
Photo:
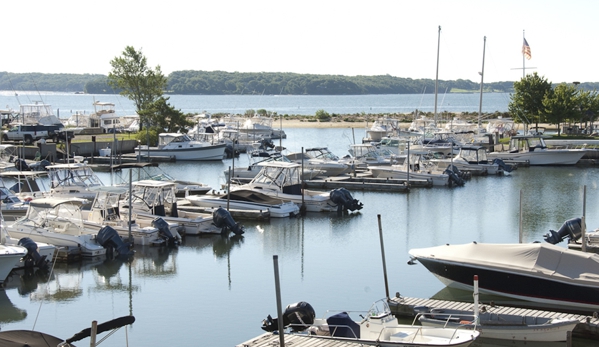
[418,168]
[366,154]
[105,211]
[377,326]
[182,147]
[497,325]
[38,254]
[443,142]
[282,181]
[534,150]
[541,273]
[473,159]
[241,175]
[151,171]
[10,256]
[320,158]
[381,128]
[150,199]
[252,200]
[572,231]
[58,222]
[11,206]
[73,180]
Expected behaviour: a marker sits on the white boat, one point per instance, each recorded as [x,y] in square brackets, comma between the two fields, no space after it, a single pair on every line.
[382,127]
[105,118]
[10,256]
[58,222]
[247,200]
[37,113]
[182,147]
[282,181]
[151,199]
[418,168]
[540,273]
[73,180]
[366,154]
[495,325]
[11,206]
[534,150]
[321,159]
[104,211]
[375,327]
[241,175]
[474,159]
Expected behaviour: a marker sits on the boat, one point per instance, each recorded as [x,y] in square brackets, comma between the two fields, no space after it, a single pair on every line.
[572,231]
[58,222]
[247,200]
[366,154]
[11,206]
[473,159]
[540,273]
[242,175]
[382,127]
[10,256]
[105,118]
[182,147]
[501,326]
[418,168]
[375,327]
[73,180]
[534,150]
[321,159]
[38,254]
[151,171]
[282,181]
[150,199]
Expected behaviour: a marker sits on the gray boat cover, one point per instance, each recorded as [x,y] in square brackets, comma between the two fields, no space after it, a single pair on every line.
[537,259]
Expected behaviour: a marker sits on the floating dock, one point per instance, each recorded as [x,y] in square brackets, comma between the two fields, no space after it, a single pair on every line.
[404,307]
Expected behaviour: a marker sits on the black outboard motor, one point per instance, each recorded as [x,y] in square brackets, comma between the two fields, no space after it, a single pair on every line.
[299,315]
[221,218]
[21,165]
[571,229]
[454,178]
[344,200]
[40,165]
[164,230]
[502,165]
[33,258]
[109,238]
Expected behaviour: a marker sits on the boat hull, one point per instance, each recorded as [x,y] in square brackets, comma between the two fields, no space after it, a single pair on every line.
[543,157]
[9,258]
[391,173]
[207,153]
[283,210]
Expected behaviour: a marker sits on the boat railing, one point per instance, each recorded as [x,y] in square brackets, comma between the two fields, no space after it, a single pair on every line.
[452,320]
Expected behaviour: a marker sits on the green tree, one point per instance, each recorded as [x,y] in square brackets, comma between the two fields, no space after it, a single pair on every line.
[131,75]
[589,105]
[561,104]
[164,117]
[526,102]
[323,116]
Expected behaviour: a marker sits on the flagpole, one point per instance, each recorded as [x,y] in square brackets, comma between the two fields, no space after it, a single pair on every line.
[523,58]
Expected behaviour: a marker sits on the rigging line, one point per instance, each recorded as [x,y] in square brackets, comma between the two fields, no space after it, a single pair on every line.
[47,283]
[13,88]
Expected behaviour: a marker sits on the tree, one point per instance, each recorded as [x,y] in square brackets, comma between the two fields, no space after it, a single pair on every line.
[561,104]
[139,83]
[527,101]
[161,115]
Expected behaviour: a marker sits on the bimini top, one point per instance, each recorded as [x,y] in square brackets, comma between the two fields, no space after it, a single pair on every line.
[538,259]
[53,202]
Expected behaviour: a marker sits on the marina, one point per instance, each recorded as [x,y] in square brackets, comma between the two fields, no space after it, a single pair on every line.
[224,285]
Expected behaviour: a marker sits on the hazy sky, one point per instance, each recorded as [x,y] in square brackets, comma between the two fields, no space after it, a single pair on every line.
[398,38]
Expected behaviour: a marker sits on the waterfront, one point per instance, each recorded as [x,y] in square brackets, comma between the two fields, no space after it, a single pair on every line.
[215,291]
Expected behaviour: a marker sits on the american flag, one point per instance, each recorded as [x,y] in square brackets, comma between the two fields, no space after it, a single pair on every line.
[526,50]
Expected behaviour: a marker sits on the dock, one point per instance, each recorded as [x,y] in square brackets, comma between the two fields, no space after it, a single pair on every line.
[404,307]
[296,340]
[365,182]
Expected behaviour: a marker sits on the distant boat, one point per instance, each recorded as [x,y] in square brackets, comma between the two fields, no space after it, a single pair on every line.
[533,149]
[182,147]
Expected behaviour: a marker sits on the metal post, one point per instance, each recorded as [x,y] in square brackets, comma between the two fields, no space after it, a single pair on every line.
[130,207]
[584,221]
[520,229]
[378,216]
[275,259]
[229,189]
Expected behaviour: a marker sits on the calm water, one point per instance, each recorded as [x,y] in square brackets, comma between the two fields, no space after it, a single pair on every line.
[214,291]
[67,104]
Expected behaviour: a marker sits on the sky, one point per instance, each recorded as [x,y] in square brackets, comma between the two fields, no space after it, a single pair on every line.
[398,38]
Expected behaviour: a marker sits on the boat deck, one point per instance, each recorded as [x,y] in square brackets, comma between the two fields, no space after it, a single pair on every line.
[404,307]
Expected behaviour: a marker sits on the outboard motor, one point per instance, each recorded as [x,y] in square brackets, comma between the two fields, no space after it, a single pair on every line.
[299,315]
[21,165]
[164,230]
[109,238]
[221,218]
[454,178]
[40,165]
[266,144]
[571,229]
[502,165]
[32,258]
[344,200]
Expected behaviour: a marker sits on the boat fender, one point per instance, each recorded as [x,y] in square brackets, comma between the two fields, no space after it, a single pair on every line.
[109,238]
[222,218]
[32,258]
[164,230]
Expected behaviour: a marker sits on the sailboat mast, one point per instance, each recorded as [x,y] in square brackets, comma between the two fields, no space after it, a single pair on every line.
[482,76]
[437,73]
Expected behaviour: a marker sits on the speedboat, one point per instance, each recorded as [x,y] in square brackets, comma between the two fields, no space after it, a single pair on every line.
[282,181]
[58,221]
[73,180]
[377,326]
[320,158]
[418,168]
[38,254]
[497,325]
[532,148]
[540,273]
[253,200]
[182,147]
[10,256]
[474,159]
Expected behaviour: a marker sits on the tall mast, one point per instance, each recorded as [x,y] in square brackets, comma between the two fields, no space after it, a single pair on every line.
[482,76]
[437,74]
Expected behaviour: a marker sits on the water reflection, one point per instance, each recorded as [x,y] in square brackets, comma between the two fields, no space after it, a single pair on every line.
[8,311]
